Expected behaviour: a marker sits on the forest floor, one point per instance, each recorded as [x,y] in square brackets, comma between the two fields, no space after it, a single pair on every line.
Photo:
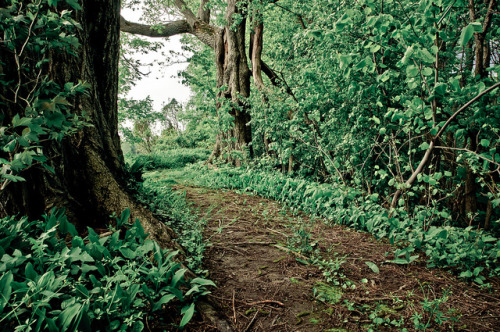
[278,271]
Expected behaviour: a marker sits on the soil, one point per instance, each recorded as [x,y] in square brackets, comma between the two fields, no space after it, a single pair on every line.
[262,259]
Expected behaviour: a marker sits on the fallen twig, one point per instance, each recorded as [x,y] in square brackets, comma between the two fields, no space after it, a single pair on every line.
[251,243]
[361,299]
[234,310]
[266,302]
[252,321]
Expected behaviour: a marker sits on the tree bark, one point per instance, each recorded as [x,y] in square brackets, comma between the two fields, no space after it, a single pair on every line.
[90,178]
[233,79]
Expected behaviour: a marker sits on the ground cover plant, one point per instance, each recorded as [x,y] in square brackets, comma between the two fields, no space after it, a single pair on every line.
[156,191]
[52,279]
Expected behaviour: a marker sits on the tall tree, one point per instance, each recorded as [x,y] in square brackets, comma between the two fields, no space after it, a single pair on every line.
[233,72]
[85,171]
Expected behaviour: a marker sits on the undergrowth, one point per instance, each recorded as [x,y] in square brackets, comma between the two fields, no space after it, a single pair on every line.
[170,159]
[156,191]
[469,251]
[52,279]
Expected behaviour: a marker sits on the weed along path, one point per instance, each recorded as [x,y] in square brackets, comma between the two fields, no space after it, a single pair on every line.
[281,272]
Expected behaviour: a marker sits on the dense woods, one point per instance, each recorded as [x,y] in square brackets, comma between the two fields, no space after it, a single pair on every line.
[379,115]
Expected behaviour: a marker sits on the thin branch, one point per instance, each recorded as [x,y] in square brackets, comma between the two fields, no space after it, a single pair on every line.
[467,150]
[301,20]
[432,143]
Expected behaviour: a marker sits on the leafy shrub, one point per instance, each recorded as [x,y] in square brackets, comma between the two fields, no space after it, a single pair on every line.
[191,138]
[52,279]
[170,158]
[467,249]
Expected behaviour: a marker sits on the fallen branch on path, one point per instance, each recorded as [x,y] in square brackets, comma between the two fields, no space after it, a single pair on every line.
[361,299]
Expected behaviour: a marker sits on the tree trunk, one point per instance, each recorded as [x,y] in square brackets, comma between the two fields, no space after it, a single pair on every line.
[233,84]
[90,178]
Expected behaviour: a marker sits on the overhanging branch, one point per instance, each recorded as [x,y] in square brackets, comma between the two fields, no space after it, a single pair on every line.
[166,30]
[203,31]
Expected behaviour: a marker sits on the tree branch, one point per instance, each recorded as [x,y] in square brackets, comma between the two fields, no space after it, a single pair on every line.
[299,16]
[186,12]
[276,80]
[203,13]
[167,30]
[203,31]
[427,155]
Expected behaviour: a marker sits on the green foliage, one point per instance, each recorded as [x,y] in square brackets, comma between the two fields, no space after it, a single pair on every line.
[156,192]
[432,312]
[445,246]
[371,84]
[36,109]
[52,279]
[169,159]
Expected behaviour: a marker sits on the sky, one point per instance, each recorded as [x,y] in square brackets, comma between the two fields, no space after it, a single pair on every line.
[162,84]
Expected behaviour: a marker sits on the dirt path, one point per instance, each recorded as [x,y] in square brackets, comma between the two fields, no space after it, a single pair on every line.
[264,286]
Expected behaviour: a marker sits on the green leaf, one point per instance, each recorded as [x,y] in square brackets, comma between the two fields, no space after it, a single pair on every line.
[127,253]
[30,272]
[21,122]
[68,316]
[427,71]
[52,2]
[412,71]
[13,178]
[404,261]
[203,282]
[427,56]
[375,48]
[424,146]
[164,300]
[485,142]
[178,275]
[123,219]
[74,4]
[187,315]
[466,35]
[408,53]
[373,267]
[5,289]
[489,238]
[440,89]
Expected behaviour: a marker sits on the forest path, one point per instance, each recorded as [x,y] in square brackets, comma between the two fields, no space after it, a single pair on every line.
[264,286]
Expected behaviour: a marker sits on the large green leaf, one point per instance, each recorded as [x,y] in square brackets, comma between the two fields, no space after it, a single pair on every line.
[188,312]
[468,32]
